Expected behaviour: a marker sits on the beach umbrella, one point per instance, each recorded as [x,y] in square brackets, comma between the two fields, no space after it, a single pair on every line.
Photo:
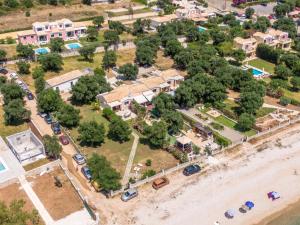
[244,208]
[230,213]
[275,195]
[249,204]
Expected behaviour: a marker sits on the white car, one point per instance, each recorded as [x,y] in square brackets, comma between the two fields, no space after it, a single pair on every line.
[13,75]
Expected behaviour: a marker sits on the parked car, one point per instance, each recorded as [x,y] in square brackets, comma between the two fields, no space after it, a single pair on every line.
[42,114]
[56,128]
[64,140]
[3,71]
[48,118]
[13,76]
[129,194]
[189,170]
[96,186]
[160,182]
[79,159]
[86,172]
[30,96]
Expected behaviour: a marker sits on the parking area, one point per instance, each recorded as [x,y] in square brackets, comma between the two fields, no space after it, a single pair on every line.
[261,10]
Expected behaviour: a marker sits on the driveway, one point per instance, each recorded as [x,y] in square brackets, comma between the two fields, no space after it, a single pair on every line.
[229,133]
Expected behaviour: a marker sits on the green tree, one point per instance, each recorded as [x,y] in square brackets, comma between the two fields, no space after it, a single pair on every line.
[11,3]
[246,121]
[286,24]
[3,55]
[282,72]
[116,26]
[217,36]
[250,102]
[295,81]
[156,134]
[129,71]
[56,44]
[25,51]
[15,113]
[51,62]
[39,84]
[173,47]
[48,100]
[145,55]
[119,130]
[98,21]
[109,59]
[262,24]
[239,55]
[85,90]
[28,3]
[138,27]
[102,172]
[14,214]
[52,146]
[86,2]
[87,52]
[111,37]
[162,103]
[23,67]
[68,116]
[174,121]
[91,133]
[92,33]
[281,10]
[37,72]
[184,96]
[249,13]
[11,91]
[183,58]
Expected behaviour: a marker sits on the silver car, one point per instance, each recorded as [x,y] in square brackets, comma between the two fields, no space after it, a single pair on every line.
[129,194]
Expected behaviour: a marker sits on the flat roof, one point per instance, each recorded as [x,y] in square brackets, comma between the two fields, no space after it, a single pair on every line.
[244,40]
[164,19]
[26,33]
[75,74]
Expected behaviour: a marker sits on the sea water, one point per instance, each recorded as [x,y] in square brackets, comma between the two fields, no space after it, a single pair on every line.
[290,216]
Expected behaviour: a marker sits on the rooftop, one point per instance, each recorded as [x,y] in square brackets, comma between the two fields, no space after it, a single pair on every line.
[164,19]
[240,40]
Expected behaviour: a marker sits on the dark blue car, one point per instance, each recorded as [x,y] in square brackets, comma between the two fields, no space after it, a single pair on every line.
[56,128]
[189,170]
[86,172]
[48,118]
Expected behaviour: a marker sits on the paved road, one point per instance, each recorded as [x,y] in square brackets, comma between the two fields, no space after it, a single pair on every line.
[229,133]
[130,159]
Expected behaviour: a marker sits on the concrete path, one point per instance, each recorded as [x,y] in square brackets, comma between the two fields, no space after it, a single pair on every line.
[36,201]
[130,159]
[229,133]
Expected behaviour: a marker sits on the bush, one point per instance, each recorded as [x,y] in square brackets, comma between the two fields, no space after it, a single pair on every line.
[179,155]
[224,142]
[108,113]
[148,173]
[284,101]
[268,53]
[148,162]
[27,14]
[217,126]
[295,102]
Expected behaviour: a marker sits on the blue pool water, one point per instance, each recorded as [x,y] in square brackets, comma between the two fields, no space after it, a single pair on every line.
[2,167]
[74,45]
[201,29]
[41,51]
[257,73]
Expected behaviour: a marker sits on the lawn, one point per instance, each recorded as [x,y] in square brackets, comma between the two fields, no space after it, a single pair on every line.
[161,159]
[115,152]
[262,64]
[36,164]
[226,122]
[9,130]
[291,94]
[264,111]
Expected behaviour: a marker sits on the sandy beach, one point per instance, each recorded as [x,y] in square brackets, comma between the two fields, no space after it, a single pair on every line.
[247,174]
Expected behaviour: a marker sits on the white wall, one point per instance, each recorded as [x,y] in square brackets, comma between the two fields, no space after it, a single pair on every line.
[65,87]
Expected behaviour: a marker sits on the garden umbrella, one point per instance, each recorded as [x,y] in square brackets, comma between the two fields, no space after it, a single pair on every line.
[249,204]
[230,213]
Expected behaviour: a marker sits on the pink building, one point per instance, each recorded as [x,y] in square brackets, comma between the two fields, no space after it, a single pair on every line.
[42,32]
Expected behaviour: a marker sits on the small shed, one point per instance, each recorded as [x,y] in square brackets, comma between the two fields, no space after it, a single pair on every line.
[204,131]
[184,143]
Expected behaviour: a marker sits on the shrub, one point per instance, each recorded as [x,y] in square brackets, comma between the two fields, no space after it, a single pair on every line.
[27,13]
[148,173]
[108,113]
[284,101]
[224,142]
[217,126]
[148,162]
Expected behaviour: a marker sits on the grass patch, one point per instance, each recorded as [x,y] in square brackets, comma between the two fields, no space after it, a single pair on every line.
[163,62]
[262,64]
[291,94]
[36,164]
[263,111]
[6,130]
[115,152]
[226,122]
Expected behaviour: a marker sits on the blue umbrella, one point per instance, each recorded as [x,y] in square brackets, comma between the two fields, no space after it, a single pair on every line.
[249,204]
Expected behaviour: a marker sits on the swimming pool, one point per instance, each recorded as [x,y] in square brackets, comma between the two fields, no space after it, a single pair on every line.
[201,29]
[3,167]
[257,72]
[41,51]
[72,46]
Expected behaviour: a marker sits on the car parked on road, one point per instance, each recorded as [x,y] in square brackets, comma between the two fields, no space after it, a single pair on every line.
[41,114]
[86,172]
[64,140]
[48,118]
[56,128]
[129,194]
[30,96]
[160,182]
[13,76]
[192,169]
[79,159]
[3,71]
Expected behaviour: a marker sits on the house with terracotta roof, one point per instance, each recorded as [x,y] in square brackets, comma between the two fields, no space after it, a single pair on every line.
[65,82]
[248,45]
[159,20]
[274,38]
[43,32]
[142,91]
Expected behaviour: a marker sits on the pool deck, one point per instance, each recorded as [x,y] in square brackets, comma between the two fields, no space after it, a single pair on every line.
[12,165]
